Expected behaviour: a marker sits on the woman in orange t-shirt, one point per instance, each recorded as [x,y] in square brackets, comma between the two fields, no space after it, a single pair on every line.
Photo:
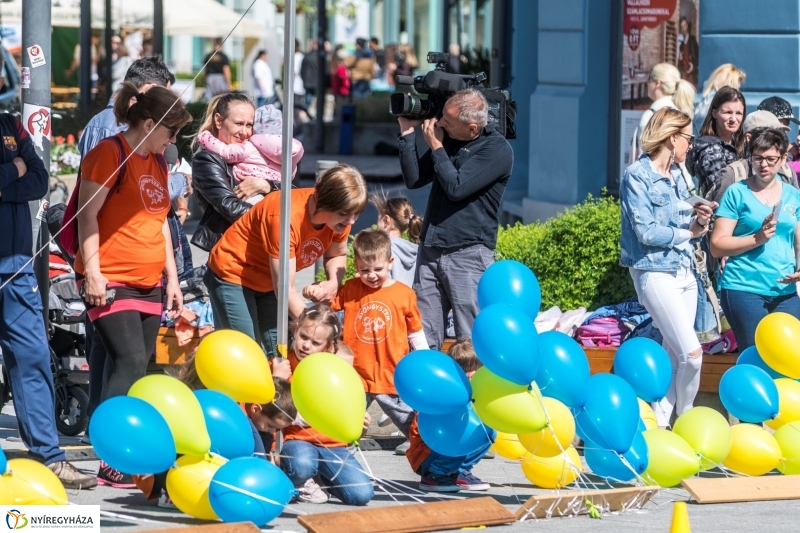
[243,266]
[125,244]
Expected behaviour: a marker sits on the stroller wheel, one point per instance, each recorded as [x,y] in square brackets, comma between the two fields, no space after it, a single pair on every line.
[72,410]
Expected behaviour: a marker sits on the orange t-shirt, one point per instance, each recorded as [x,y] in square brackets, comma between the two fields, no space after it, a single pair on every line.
[132,246]
[376,327]
[307,434]
[242,254]
[417,451]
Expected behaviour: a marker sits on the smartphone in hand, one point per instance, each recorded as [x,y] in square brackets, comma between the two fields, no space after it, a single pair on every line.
[776,211]
[694,200]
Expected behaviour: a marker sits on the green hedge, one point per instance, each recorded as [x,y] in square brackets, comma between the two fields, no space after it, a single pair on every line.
[575,255]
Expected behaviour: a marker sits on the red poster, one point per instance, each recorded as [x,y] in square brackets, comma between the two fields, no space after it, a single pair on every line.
[645,14]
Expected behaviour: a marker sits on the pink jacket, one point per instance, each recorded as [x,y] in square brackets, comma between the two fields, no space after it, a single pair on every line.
[259,157]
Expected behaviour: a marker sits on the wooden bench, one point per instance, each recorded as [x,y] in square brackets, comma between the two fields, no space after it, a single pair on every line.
[602,360]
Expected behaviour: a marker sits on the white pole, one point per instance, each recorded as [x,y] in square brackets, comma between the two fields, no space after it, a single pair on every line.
[286,177]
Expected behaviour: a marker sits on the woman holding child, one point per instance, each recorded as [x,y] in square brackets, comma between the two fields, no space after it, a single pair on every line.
[243,266]
[658,228]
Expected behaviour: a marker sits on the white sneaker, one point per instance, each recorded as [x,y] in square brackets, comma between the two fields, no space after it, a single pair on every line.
[312,493]
[165,501]
[384,421]
[86,440]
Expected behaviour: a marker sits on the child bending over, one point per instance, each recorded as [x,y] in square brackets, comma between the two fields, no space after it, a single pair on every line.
[308,454]
[440,473]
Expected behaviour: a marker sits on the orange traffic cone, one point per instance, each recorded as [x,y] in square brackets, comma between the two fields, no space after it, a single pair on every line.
[680,519]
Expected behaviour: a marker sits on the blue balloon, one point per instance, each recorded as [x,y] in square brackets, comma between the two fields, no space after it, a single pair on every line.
[563,369]
[750,356]
[249,489]
[228,426]
[510,282]
[3,462]
[608,464]
[645,365]
[455,434]
[431,382]
[507,343]
[131,435]
[610,416]
[749,394]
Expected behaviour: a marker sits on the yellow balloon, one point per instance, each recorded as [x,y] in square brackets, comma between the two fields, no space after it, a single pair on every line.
[6,496]
[329,394]
[179,407]
[647,415]
[754,451]
[553,472]
[788,439]
[506,406]
[507,445]
[777,339]
[788,403]
[671,459]
[187,485]
[557,436]
[231,362]
[32,483]
[707,432]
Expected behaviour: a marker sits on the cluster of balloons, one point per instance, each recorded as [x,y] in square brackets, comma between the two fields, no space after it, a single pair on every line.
[216,476]
[536,391]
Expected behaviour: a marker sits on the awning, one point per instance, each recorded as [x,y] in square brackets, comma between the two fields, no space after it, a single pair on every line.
[202,18]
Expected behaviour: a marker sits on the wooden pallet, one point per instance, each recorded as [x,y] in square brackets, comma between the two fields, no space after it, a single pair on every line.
[435,516]
[573,502]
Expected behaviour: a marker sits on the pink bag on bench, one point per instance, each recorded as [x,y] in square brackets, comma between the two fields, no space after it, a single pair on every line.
[602,331]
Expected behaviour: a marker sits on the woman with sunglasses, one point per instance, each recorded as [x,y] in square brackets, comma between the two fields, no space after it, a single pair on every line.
[658,228]
[756,228]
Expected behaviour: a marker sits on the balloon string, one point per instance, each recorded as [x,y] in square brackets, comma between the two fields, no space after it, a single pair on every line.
[256,496]
[502,463]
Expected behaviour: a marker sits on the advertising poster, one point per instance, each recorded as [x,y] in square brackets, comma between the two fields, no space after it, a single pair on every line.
[655,31]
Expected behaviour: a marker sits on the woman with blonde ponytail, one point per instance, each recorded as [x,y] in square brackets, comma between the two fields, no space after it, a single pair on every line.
[666,88]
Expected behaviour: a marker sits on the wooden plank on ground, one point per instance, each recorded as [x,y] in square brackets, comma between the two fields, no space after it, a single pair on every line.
[238,527]
[573,502]
[435,516]
[743,489]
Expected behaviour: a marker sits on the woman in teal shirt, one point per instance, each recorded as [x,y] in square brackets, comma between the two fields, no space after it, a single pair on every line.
[756,228]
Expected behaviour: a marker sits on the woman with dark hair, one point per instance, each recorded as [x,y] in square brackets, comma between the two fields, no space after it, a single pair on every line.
[658,229]
[229,118]
[689,51]
[124,238]
[756,228]
[721,139]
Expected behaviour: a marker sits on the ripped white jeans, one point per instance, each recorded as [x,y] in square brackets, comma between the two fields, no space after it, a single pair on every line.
[671,299]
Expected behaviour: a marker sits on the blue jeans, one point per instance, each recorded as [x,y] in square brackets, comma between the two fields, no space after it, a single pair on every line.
[337,469]
[253,313]
[443,466]
[745,310]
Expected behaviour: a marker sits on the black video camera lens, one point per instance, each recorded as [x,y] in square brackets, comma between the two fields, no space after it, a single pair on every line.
[411,106]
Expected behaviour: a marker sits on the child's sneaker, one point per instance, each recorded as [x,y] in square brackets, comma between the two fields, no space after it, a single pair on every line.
[434,483]
[165,501]
[312,493]
[384,421]
[468,481]
[114,478]
[402,448]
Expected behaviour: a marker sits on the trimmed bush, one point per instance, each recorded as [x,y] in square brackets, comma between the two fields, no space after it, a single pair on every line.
[575,255]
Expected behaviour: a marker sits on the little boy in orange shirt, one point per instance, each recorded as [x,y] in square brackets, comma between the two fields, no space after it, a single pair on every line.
[440,473]
[381,320]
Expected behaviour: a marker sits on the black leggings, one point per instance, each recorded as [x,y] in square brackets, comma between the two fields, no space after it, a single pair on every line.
[130,339]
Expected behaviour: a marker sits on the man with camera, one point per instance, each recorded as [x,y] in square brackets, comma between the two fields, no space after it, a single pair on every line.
[469,164]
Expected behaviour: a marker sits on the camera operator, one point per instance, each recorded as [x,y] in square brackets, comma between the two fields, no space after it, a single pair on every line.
[469,164]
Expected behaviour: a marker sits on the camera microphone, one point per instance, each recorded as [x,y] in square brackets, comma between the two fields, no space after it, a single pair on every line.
[404,80]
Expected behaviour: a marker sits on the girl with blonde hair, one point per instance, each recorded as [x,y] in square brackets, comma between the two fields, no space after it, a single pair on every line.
[666,88]
[658,229]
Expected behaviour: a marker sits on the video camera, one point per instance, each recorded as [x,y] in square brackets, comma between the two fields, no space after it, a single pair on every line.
[439,85]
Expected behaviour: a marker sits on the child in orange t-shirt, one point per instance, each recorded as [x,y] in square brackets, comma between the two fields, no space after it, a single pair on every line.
[308,454]
[440,473]
[381,320]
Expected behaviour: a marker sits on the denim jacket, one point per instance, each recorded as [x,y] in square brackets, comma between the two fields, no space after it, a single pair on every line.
[655,219]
